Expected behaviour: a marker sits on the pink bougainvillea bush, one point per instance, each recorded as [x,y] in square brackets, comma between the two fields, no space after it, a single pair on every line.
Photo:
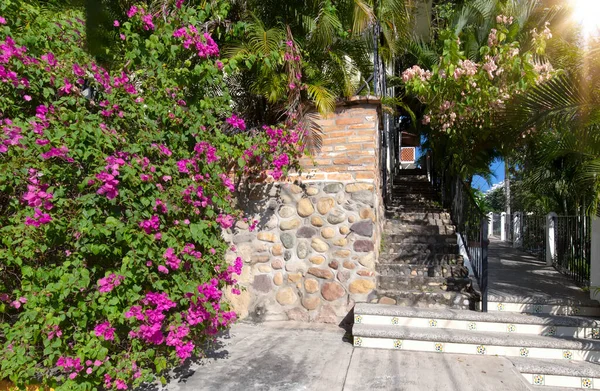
[116,181]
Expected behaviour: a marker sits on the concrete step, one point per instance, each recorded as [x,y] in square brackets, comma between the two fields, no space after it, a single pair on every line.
[549,325]
[543,305]
[414,238]
[412,270]
[433,339]
[416,229]
[430,298]
[413,249]
[547,374]
[423,259]
[397,282]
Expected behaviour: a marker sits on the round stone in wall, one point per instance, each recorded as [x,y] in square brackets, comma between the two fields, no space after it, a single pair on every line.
[333,188]
[302,250]
[336,216]
[289,224]
[306,232]
[286,211]
[277,250]
[332,291]
[277,264]
[361,286]
[319,245]
[317,259]
[325,204]
[305,207]
[311,285]
[311,303]
[286,296]
[316,221]
[287,255]
[287,240]
[363,228]
[311,191]
[328,232]
[344,230]
[278,279]
[321,273]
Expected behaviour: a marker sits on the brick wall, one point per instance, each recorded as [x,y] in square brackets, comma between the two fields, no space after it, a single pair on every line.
[350,149]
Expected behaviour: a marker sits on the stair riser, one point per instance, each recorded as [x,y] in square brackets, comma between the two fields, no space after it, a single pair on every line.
[421,260]
[415,249]
[537,379]
[528,329]
[420,271]
[431,239]
[527,308]
[431,299]
[477,349]
[423,283]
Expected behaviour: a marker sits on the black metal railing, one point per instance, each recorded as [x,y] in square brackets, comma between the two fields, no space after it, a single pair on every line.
[572,257]
[533,233]
[471,224]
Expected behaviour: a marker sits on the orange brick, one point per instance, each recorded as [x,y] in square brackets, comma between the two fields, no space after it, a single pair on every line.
[339,177]
[367,125]
[348,147]
[343,133]
[315,176]
[365,175]
[335,141]
[343,160]
[339,167]
[325,122]
[366,133]
[322,161]
[363,160]
[360,139]
[349,121]
[361,168]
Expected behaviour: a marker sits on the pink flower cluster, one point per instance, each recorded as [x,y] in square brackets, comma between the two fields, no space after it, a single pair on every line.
[57,152]
[109,175]
[236,122]
[163,149]
[209,151]
[109,282]
[176,337]
[465,68]
[226,221]
[171,259]
[54,332]
[416,72]
[507,20]
[146,18]
[17,303]
[71,365]
[151,329]
[105,331]
[151,225]
[228,183]
[13,135]
[204,44]
[37,197]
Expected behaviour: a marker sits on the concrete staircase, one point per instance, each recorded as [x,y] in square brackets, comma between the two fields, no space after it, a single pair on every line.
[419,264]
[425,302]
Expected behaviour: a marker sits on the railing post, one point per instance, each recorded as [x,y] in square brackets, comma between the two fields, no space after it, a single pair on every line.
[551,237]
[484,265]
[517,228]
[503,226]
[595,259]
[490,224]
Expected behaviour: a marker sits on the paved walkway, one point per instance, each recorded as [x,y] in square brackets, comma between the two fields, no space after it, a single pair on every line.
[316,357]
[514,275]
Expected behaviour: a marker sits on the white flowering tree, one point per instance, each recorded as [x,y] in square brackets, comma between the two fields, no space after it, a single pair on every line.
[463,96]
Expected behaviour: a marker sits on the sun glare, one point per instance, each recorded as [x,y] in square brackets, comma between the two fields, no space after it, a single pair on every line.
[587,14]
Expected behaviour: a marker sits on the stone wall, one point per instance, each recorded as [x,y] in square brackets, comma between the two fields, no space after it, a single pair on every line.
[313,253]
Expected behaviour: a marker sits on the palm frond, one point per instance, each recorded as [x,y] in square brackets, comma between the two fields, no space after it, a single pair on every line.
[323,97]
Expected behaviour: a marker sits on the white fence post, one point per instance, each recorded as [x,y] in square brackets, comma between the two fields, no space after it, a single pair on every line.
[503,226]
[490,217]
[595,261]
[516,227]
[550,237]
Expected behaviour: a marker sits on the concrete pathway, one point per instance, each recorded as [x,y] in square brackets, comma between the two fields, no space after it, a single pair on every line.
[316,357]
[514,274]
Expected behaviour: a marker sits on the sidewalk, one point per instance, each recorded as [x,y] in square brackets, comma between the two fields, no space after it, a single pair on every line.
[514,275]
[315,357]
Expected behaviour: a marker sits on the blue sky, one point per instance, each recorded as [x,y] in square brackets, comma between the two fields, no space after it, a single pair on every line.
[497,168]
